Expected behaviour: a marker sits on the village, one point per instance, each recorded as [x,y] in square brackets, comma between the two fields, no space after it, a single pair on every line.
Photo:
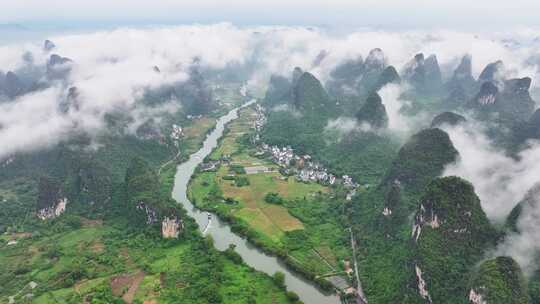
[301,166]
[300,169]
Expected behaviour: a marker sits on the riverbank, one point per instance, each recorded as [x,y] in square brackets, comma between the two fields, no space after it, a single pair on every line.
[301,230]
[86,255]
[223,236]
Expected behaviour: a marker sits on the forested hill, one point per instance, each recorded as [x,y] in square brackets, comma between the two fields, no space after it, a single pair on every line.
[421,237]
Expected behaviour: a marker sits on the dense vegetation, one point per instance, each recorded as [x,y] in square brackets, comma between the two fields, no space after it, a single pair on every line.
[401,178]
[499,281]
[421,159]
[297,221]
[419,237]
[373,112]
[453,232]
[101,249]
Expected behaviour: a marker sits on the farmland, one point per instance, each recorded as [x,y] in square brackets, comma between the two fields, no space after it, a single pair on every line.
[304,227]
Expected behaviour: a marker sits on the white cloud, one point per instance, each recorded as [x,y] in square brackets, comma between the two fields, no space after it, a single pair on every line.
[112,68]
[344,125]
[398,123]
[524,246]
[499,180]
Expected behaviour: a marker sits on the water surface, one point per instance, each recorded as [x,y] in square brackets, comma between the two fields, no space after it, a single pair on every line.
[221,232]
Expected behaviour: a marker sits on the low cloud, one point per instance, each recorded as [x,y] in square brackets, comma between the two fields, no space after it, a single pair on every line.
[398,122]
[500,181]
[524,246]
[113,69]
[345,125]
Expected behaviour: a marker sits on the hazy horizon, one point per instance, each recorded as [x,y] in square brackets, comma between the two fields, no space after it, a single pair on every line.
[386,14]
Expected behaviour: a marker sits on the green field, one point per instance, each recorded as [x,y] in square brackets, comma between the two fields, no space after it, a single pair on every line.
[83,263]
[99,256]
[305,225]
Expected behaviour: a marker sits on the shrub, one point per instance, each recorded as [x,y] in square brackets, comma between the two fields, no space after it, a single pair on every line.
[273,198]
[238,169]
[241,181]
[292,296]
[279,279]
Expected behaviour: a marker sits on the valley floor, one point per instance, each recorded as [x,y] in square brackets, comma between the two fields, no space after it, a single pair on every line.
[99,262]
[101,258]
[306,226]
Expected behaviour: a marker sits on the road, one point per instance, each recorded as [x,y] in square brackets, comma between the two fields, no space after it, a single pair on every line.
[361,298]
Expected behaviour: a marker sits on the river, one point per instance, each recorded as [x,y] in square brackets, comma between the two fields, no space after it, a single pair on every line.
[221,232]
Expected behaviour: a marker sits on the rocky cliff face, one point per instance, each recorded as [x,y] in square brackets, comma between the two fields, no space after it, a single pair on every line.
[171,227]
[493,72]
[487,95]
[433,80]
[52,201]
[373,112]
[498,281]
[375,61]
[512,103]
[450,233]
[414,71]
[423,74]
[515,101]
[296,74]
[58,67]
[461,87]
[358,78]
[146,205]
[389,75]
[150,213]
[10,85]
[463,73]
[373,67]
[48,46]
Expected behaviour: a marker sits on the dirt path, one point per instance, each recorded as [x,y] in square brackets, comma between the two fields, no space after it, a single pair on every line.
[129,296]
[168,162]
[129,281]
[361,299]
[323,259]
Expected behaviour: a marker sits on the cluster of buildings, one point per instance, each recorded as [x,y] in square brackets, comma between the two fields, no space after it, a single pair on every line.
[302,167]
[213,165]
[194,117]
[176,133]
[260,121]
[209,165]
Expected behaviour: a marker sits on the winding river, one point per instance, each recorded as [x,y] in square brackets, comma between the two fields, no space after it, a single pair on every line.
[221,232]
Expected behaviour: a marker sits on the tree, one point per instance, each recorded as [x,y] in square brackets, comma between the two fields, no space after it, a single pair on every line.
[279,279]
[292,296]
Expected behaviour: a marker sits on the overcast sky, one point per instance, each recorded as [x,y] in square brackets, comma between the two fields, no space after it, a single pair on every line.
[477,15]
